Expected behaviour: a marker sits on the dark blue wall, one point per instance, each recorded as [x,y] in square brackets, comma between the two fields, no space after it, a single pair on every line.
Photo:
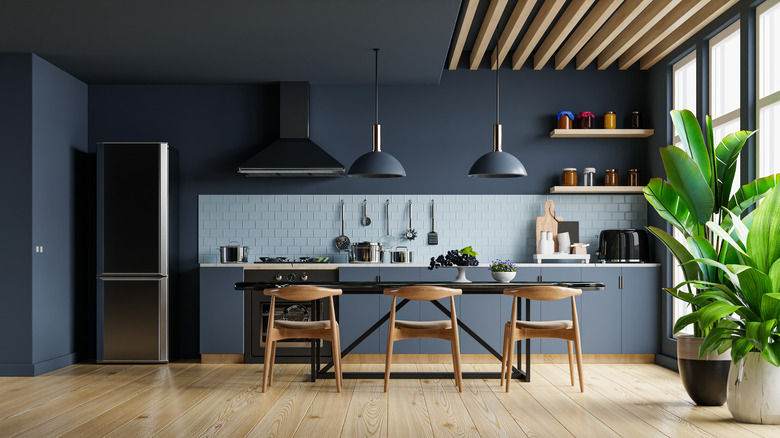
[16,190]
[43,127]
[437,132]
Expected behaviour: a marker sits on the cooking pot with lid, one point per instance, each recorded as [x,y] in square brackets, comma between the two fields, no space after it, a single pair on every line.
[233,253]
[365,252]
[401,256]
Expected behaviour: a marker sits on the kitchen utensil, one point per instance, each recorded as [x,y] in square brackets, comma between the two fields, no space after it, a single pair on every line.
[627,245]
[571,227]
[401,256]
[342,242]
[388,241]
[366,221]
[564,243]
[365,252]
[548,222]
[233,253]
[410,234]
[433,238]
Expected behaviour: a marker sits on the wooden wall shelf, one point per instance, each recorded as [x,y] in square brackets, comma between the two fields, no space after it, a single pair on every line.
[601,133]
[596,189]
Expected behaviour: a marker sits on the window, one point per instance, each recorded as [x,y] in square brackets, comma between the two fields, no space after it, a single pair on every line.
[683,97]
[725,86]
[768,87]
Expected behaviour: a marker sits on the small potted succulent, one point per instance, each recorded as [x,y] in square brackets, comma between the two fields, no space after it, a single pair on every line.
[503,271]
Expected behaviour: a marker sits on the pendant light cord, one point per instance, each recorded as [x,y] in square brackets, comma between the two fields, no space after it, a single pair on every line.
[498,55]
[376,83]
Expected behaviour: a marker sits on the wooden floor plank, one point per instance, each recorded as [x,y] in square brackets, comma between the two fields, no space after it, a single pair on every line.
[65,401]
[367,414]
[328,411]
[407,410]
[530,415]
[157,417]
[446,410]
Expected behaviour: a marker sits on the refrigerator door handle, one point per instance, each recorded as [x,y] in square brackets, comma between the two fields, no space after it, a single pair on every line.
[131,277]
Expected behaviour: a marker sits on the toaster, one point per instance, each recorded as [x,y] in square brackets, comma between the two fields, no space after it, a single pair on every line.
[622,246]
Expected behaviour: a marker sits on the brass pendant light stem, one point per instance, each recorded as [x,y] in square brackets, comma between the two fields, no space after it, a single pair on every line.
[497,137]
[377,144]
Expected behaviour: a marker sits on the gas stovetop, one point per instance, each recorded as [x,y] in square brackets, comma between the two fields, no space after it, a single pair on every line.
[301,259]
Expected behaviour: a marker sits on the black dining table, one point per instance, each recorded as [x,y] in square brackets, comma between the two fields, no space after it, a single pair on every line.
[378,287]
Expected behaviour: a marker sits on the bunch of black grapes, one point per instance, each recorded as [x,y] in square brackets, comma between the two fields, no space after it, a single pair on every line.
[453,258]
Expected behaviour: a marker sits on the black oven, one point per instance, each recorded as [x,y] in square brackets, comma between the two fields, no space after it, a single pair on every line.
[257,311]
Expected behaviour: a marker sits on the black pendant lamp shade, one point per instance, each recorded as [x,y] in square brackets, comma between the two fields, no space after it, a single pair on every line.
[497,164]
[376,164]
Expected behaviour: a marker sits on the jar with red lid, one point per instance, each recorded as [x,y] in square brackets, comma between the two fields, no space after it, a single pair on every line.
[565,119]
[585,120]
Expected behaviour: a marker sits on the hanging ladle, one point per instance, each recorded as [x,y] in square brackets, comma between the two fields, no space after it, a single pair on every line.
[366,221]
[410,234]
[342,242]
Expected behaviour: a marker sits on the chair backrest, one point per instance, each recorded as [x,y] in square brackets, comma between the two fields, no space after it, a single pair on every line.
[302,293]
[422,293]
[543,293]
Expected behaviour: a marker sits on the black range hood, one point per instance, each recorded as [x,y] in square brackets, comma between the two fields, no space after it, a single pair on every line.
[293,154]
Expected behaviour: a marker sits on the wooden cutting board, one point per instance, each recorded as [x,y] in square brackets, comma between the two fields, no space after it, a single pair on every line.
[548,222]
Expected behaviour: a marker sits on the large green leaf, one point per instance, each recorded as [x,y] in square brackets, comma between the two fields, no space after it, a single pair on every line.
[726,163]
[688,129]
[701,248]
[739,348]
[671,207]
[753,284]
[772,353]
[770,307]
[714,338]
[750,193]
[713,160]
[763,243]
[774,275]
[689,182]
[714,311]
[683,256]
[723,234]
[685,321]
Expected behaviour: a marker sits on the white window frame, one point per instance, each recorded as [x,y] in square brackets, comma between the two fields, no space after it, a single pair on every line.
[770,99]
[687,59]
[733,115]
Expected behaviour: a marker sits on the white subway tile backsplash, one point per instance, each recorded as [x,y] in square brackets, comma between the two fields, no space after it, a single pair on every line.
[497,226]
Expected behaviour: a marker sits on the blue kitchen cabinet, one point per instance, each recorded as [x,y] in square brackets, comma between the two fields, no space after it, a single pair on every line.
[398,273]
[438,274]
[641,314]
[559,309]
[358,312]
[359,273]
[600,332]
[221,311]
[429,312]
[482,313]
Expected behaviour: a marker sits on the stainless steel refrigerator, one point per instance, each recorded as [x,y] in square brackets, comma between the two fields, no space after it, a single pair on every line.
[136,187]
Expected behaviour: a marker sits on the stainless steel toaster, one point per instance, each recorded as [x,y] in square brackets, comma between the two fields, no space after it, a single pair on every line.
[622,246]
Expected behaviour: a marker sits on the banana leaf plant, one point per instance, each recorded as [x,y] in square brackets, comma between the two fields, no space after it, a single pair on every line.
[744,312]
[697,190]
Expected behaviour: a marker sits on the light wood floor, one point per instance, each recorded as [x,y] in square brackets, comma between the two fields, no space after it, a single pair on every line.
[193,399]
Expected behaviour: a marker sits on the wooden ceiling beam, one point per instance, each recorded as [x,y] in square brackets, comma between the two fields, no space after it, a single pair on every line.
[563,27]
[544,18]
[486,32]
[463,33]
[696,23]
[637,29]
[517,20]
[600,13]
[611,29]
[676,18]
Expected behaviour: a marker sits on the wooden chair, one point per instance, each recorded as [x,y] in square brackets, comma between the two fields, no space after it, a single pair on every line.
[516,330]
[278,330]
[445,329]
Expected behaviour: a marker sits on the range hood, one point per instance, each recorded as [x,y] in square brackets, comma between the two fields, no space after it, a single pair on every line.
[293,154]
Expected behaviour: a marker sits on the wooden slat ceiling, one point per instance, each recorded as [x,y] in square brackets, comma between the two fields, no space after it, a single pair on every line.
[541,33]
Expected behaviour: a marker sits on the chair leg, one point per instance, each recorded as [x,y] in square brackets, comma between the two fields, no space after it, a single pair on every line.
[456,365]
[273,362]
[267,361]
[578,347]
[510,351]
[336,351]
[571,361]
[389,357]
[504,353]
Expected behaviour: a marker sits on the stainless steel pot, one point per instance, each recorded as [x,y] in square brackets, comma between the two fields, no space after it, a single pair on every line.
[365,252]
[401,256]
[233,253]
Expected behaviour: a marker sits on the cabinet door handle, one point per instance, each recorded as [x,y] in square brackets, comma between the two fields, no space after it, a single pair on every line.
[378,278]
[620,282]
[539,278]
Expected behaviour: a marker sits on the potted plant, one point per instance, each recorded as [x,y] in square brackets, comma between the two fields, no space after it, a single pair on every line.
[503,271]
[460,259]
[743,312]
[697,190]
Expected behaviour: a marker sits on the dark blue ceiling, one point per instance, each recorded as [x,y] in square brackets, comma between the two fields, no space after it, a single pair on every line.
[234,41]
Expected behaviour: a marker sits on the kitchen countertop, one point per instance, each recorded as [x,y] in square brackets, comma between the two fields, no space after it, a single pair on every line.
[329,266]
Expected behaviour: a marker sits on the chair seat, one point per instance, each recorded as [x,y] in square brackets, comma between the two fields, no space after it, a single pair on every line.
[302,325]
[545,325]
[428,325]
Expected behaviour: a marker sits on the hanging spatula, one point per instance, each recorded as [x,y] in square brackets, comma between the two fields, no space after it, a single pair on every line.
[433,238]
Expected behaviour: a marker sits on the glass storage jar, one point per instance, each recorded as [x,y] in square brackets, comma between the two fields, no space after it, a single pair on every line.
[633,177]
[611,177]
[565,119]
[569,176]
[636,120]
[585,120]
[588,176]
[610,120]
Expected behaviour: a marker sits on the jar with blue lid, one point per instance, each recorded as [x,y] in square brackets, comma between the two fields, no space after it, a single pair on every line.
[565,119]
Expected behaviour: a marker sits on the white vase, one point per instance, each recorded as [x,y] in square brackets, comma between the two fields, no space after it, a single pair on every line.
[753,394]
[503,277]
[462,275]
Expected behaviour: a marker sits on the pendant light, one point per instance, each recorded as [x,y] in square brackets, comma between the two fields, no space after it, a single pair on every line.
[376,164]
[497,164]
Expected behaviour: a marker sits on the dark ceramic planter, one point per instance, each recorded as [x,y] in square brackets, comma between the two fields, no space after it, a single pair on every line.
[704,379]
